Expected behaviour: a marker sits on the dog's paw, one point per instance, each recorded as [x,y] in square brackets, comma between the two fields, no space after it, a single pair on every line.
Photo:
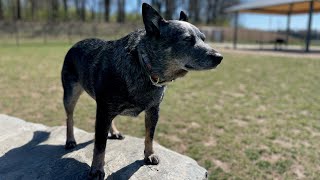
[118,136]
[70,145]
[152,159]
[96,174]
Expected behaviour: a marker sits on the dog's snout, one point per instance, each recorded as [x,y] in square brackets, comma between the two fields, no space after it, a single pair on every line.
[217,57]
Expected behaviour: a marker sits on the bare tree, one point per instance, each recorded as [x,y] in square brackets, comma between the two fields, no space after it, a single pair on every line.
[32,8]
[106,10]
[54,9]
[157,4]
[138,6]
[93,7]
[77,6]
[170,8]
[121,13]
[216,10]
[1,10]
[18,12]
[65,9]
[194,10]
[83,10]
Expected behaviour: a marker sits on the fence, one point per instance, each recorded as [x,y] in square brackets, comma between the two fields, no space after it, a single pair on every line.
[18,33]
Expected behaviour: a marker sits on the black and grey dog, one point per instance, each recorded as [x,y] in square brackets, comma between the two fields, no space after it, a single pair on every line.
[129,75]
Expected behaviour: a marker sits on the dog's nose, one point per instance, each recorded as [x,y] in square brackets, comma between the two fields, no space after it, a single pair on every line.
[218,57]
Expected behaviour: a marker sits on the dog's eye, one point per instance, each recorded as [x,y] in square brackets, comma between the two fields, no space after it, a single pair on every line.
[190,39]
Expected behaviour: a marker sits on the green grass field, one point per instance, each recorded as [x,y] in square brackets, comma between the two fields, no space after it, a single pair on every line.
[255,117]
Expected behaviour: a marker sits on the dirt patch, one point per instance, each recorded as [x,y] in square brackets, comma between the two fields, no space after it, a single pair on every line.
[298,170]
[283,143]
[224,166]
[194,125]
[240,122]
[273,158]
[211,141]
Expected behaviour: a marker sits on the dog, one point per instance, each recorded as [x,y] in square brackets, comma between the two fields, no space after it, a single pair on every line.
[129,75]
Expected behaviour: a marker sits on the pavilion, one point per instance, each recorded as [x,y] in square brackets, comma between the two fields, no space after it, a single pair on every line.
[280,7]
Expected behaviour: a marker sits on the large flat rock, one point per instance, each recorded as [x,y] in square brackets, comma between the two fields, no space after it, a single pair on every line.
[35,151]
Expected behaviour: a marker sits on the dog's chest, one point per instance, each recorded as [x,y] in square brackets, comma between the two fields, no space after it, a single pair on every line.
[140,102]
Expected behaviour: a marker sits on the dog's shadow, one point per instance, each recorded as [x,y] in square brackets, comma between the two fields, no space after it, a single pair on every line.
[34,160]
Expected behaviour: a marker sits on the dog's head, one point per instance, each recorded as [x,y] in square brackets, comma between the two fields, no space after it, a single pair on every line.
[179,45]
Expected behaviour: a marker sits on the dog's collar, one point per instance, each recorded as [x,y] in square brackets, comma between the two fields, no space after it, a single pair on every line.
[155,80]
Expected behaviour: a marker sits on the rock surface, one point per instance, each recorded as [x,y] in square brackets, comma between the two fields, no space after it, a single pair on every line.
[34,151]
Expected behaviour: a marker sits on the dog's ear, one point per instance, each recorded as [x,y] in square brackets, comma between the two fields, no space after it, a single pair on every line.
[151,20]
[183,16]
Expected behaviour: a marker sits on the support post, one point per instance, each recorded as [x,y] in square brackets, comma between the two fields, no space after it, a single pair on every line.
[308,38]
[235,33]
[288,23]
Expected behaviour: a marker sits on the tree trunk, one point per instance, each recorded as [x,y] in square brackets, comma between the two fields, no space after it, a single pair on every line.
[18,15]
[139,6]
[1,10]
[106,10]
[65,9]
[157,4]
[194,10]
[170,8]
[54,9]
[83,10]
[78,11]
[93,13]
[121,13]
[32,4]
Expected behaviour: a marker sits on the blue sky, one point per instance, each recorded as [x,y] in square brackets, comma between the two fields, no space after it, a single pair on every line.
[277,22]
[260,21]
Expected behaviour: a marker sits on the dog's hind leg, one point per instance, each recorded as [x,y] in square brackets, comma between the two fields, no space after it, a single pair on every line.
[151,119]
[115,134]
[72,91]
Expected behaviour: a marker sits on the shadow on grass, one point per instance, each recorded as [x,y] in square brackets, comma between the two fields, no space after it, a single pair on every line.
[35,161]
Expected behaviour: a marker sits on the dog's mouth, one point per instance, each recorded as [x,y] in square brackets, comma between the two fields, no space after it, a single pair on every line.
[188,67]
[191,68]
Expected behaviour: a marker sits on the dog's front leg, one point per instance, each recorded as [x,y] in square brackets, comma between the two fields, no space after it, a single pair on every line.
[103,122]
[151,119]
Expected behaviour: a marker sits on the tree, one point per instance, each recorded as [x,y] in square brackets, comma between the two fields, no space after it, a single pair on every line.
[18,15]
[106,10]
[194,10]
[170,8]
[93,7]
[216,10]
[121,13]
[65,10]
[77,6]
[1,10]
[157,4]
[54,9]
[83,10]
[32,8]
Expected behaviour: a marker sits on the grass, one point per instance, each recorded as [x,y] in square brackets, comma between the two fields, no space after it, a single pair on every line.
[255,117]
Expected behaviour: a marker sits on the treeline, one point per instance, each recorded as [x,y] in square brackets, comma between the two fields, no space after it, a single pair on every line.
[200,11]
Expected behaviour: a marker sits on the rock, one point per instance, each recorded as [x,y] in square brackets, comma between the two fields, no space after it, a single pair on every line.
[34,151]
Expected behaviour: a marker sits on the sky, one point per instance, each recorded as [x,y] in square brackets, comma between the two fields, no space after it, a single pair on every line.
[278,22]
[260,21]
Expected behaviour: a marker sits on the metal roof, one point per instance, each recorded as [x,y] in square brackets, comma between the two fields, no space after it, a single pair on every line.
[276,6]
